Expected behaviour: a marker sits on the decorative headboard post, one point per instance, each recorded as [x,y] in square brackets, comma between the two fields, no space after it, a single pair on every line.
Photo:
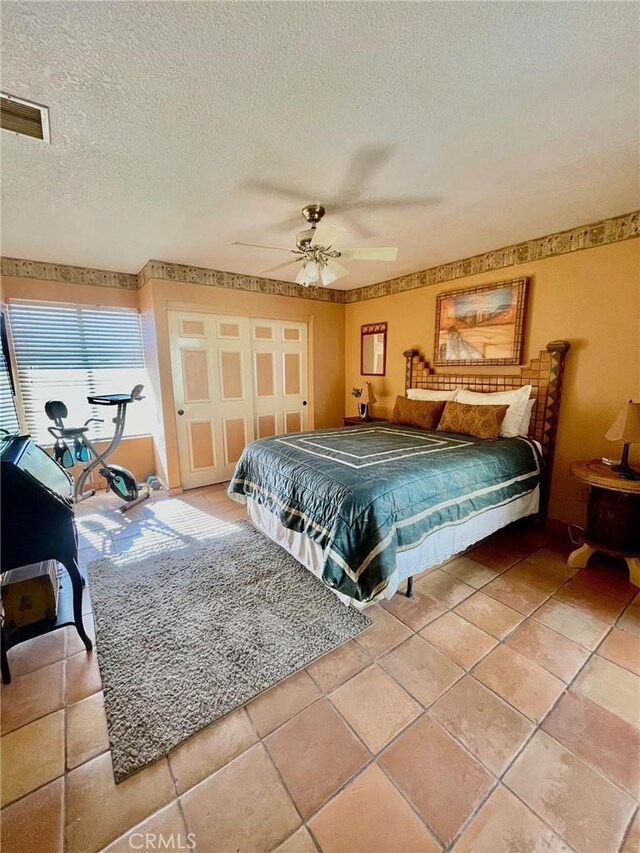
[557,352]
[544,374]
[421,365]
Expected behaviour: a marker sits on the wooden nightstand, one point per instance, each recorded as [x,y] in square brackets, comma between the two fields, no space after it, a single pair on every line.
[613,516]
[356,420]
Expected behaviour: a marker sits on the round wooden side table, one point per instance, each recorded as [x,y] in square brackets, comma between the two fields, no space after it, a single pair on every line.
[613,516]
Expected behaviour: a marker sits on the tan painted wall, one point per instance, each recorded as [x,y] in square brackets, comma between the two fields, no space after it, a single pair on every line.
[150,344]
[62,291]
[159,451]
[135,453]
[590,298]
[326,347]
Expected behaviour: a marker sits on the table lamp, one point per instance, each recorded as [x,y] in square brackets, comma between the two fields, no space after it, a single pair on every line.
[626,428]
[366,398]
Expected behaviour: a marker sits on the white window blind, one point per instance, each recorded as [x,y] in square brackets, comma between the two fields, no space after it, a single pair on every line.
[8,416]
[67,352]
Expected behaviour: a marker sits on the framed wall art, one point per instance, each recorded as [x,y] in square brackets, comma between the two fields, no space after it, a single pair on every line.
[481,325]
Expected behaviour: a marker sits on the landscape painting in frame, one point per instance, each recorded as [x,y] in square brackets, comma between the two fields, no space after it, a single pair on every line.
[482,325]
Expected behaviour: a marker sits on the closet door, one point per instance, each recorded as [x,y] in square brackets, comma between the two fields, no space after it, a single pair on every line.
[279,358]
[213,393]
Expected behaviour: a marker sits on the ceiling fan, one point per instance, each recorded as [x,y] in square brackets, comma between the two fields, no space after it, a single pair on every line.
[316,253]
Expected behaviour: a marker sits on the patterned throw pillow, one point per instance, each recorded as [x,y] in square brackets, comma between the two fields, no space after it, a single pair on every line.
[424,414]
[481,421]
[516,400]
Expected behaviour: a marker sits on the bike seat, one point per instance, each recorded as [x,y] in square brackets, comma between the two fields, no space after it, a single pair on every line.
[72,432]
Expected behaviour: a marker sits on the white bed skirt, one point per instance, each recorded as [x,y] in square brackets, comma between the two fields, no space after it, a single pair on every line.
[435,549]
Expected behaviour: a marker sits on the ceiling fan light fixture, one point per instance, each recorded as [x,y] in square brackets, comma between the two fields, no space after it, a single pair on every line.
[327,276]
[315,250]
[312,272]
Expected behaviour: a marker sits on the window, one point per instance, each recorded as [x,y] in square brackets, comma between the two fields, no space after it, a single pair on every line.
[67,352]
[8,414]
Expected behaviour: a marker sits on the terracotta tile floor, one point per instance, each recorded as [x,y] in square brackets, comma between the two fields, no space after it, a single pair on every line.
[499,710]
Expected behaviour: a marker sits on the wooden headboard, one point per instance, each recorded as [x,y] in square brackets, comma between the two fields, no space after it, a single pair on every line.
[543,373]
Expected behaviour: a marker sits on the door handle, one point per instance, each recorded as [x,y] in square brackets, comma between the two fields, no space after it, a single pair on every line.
[181,411]
[304,402]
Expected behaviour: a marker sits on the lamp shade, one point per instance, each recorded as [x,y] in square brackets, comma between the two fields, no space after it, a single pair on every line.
[367,394]
[312,271]
[327,276]
[626,426]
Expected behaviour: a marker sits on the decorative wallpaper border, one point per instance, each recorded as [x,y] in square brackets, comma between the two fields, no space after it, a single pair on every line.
[167,272]
[234,281]
[613,230]
[71,275]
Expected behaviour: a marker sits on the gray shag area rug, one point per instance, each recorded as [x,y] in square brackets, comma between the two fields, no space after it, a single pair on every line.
[186,635]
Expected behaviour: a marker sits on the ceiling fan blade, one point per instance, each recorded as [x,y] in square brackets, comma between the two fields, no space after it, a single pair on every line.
[365,163]
[291,223]
[260,246]
[276,189]
[280,266]
[337,269]
[355,226]
[369,254]
[388,203]
[325,234]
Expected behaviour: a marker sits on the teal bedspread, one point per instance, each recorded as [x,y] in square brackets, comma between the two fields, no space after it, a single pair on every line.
[364,492]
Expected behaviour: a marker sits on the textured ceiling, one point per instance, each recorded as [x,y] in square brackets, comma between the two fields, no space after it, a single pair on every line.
[171,122]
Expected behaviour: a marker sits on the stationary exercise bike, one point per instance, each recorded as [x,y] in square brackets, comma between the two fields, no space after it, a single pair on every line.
[119,480]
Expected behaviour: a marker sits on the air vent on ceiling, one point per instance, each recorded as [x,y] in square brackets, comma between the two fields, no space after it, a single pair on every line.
[24,117]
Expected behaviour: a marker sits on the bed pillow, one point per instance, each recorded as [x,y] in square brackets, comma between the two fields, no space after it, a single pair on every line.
[526,418]
[480,421]
[424,414]
[515,400]
[429,394]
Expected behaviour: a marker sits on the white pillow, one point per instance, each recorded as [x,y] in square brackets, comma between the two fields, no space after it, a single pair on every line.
[526,418]
[428,394]
[516,400]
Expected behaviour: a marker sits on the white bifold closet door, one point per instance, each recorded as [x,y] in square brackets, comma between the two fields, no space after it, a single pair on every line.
[234,379]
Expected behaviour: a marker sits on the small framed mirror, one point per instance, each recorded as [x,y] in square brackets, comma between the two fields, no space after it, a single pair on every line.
[373,349]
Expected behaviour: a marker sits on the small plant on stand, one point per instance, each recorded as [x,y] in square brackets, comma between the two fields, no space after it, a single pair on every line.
[357,393]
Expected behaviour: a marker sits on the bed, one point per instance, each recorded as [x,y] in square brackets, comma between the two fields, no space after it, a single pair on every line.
[369,506]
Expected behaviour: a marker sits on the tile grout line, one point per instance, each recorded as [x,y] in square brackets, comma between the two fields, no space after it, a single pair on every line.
[426,713]
[580,758]
[406,798]
[537,724]
[275,767]
[372,756]
[538,728]
[625,837]
[497,778]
